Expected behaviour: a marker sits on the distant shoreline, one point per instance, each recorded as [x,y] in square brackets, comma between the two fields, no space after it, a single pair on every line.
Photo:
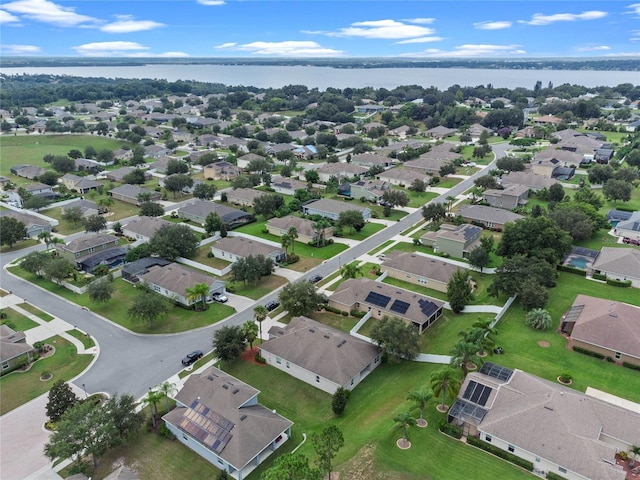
[609,64]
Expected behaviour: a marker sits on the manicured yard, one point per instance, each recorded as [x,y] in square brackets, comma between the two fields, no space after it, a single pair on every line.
[17,388]
[369,229]
[30,149]
[17,321]
[255,290]
[380,247]
[87,341]
[448,182]
[35,311]
[334,320]
[213,262]
[30,242]
[418,199]
[178,319]
[600,239]
[117,211]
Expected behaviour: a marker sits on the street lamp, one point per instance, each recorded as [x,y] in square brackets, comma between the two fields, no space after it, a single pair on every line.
[85,391]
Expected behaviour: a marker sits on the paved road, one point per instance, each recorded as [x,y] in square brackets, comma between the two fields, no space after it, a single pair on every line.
[131,363]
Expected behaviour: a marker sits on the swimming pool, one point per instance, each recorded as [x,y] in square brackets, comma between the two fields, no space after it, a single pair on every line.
[578,262]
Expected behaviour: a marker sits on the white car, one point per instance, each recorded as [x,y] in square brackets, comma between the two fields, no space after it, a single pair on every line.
[219,297]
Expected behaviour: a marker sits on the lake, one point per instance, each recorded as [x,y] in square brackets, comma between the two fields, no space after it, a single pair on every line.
[324,77]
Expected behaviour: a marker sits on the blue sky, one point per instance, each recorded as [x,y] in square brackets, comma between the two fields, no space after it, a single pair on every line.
[327,28]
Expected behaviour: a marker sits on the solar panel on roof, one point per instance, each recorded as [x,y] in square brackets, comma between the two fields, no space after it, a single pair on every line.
[377,299]
[496,371]
[484,397]
[470,388]
[427,307]
[206,425]
[400,307]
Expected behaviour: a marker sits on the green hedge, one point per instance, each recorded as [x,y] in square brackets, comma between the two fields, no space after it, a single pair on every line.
[555,476]
[632,366]
[599,276]
[450,429]
[590,353]
[618,283]
[357,313]
[331,309]
[576,271]
[498,452]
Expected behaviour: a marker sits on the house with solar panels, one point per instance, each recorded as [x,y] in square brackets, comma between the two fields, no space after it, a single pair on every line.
[383,300]
[322,356]
[219,417]
[558,429]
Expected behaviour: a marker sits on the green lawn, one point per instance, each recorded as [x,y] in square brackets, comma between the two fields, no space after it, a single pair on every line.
[117,211]
[334,320]
[380,247]
[18,388]
[17,321]
[255,290]
[369,229]
[448,182]
[601,238]
[368,420]
[29,242]
[418,199]
[86,340]
[213,262]
[177,320]
[30,149]
[35,311]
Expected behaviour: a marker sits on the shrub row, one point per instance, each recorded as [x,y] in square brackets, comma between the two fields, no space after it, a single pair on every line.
[450,429]
[554,476]
[260,359]
[618,283]
[331,309]
[576,271]
[498,452]
[590,353]
[632,366]
[599,276]
[357,313]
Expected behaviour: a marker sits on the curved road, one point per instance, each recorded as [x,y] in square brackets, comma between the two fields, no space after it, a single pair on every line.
[131,363]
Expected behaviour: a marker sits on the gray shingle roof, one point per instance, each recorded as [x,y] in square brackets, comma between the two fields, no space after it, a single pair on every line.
[624,262]
[483,213]
[176,278]
[420,265]
[244,247]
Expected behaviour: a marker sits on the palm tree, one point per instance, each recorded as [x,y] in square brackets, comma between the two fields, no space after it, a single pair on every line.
[168,389]
[421,396]
[105,202]
[285,241]
[404,420]
[351,270]
[465,353]
[445,381]
[538,319]
[151,399]
[250,332]
[450,200]
[320,227]
[489,335]
[260,314]
[198,293]
[293,234]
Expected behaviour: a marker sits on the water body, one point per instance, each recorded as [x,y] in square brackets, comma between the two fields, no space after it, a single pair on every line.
[324,77]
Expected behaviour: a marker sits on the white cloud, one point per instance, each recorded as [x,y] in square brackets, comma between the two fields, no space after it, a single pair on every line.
[383,29]
[285,49]
[623,54]
[593,48]
[126,24]
[420,40]
[48,12]
[173,54]
[109,49]
[492,25]
[20,49]
[471,50]
[6,17]
[634,9]
[541,19]
[635,36]
[422,21]
[213,3]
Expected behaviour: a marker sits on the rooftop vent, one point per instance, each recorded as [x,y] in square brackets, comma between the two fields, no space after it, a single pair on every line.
[225,386]
[242,417]
[235,390]
[312,330]
[326,336]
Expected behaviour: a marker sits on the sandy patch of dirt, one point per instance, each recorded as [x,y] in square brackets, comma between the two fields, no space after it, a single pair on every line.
[544,344]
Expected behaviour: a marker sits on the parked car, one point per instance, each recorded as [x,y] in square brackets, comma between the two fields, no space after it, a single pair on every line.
[272,305]
[191,357]
[315,278]
[219,297]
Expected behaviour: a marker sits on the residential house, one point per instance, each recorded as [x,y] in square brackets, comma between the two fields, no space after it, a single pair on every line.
[86,165]
[532,181]
[87,207]
[30,172]
[198,210]
[243,196]
[34,224]
[555,163]
[82,185]
[40,190]
[367,127]
[305,228]
[156,151]
[370,108]
[143,228]
[629,228]
[160,165]
[122,155]
[616,216]
[558,429]
[372,160]
[287,186]
[383,300]
[403,176]
[609,328]
[173,280]
[547,120]
[401,132]
[456,241]
[131,193]
[233,249]
[340,171]
[322,356]
[90,250]
[426,165]
[511,197]
[221,171]
[132,271]
[244,160]
[305,152]
[332,209]
[14,350]
[118,174]
[618,264]
[371,190]
[603,155]
[440,132]
[490,217]
[219,417]
[418,269]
